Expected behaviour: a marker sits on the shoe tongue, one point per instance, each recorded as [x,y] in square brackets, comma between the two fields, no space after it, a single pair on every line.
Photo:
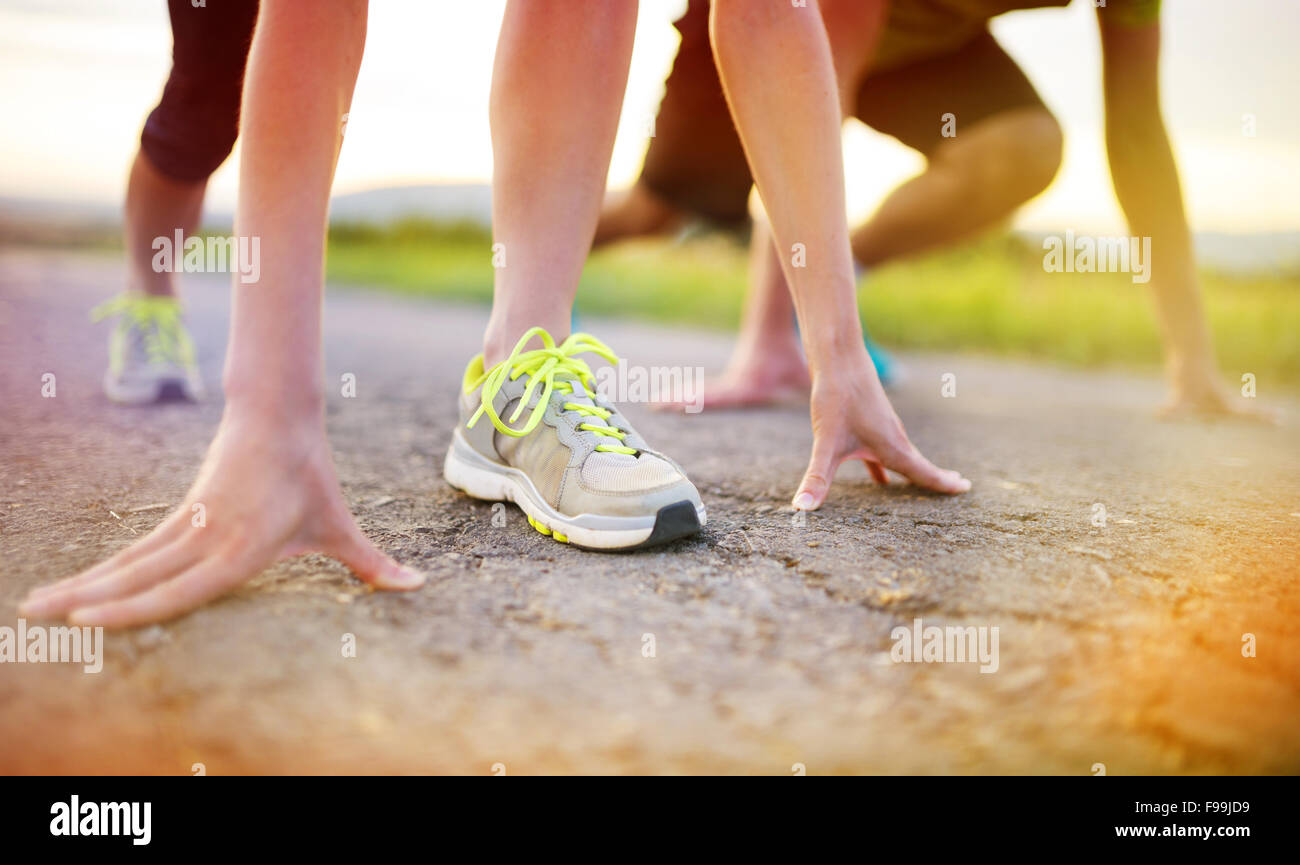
[579,396]
[579,393]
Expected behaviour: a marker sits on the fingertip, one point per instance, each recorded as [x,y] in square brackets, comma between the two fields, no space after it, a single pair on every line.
[37,608]
[805,502]
[956,482]
[403,579]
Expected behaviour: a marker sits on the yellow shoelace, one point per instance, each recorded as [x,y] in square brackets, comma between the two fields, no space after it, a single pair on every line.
[543,366]
[157,317]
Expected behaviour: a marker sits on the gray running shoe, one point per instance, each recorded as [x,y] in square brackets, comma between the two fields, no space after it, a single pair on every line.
[576,468]
[150,353]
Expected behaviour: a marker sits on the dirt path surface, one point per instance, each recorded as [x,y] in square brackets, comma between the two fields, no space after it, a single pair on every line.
[1119,644]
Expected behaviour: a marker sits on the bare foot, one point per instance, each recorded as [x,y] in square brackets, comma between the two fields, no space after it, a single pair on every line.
[263,494]
[751,381]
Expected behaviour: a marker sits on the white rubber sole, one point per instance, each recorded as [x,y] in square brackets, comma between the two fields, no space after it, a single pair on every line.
[468,471]
[147,392]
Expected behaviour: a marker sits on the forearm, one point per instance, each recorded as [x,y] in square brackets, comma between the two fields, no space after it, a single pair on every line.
[1146,183]
[775,65]
[1147,186]
[301,72]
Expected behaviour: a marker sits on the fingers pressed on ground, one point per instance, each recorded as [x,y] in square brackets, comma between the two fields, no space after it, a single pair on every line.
[924,473]
[371,565]
[129,579]
[204,581]
[160,537]
[817,479]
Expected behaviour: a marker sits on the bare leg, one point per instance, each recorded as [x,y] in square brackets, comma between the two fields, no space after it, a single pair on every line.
[557,87]
[1145,176]
[970,184]
[767,363]
[156,205]
[267,488]
[636,212]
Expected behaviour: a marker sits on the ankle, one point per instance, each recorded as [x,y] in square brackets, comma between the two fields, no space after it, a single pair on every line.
[153,285]
[500,339]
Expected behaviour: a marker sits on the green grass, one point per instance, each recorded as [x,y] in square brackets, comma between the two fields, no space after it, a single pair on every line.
[701,282]
[994,296]
[989,296]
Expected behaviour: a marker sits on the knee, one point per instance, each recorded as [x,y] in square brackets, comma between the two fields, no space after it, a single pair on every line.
[1007,160]
[1036,151]
[194,127]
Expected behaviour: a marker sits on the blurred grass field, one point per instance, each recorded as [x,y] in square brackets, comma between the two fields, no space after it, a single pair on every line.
[990,296]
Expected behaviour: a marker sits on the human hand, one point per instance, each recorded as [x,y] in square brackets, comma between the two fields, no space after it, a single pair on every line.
[853,419]
[265,494]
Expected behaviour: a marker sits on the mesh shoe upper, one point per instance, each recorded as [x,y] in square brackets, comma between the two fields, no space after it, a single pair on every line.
[150,339]
[577,453]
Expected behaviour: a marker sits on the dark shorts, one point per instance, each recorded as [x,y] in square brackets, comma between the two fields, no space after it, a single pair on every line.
[696,162]
[195,124]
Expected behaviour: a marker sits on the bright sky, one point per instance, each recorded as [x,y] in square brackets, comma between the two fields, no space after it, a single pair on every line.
[78,77]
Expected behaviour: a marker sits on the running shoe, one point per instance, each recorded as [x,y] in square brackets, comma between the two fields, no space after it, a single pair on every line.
[150,353]
[574,466]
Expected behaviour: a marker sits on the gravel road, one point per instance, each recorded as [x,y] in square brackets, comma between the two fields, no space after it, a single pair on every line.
[761,646]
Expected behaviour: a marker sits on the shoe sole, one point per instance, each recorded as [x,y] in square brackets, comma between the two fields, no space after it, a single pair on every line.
[476,476]
[162,390]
